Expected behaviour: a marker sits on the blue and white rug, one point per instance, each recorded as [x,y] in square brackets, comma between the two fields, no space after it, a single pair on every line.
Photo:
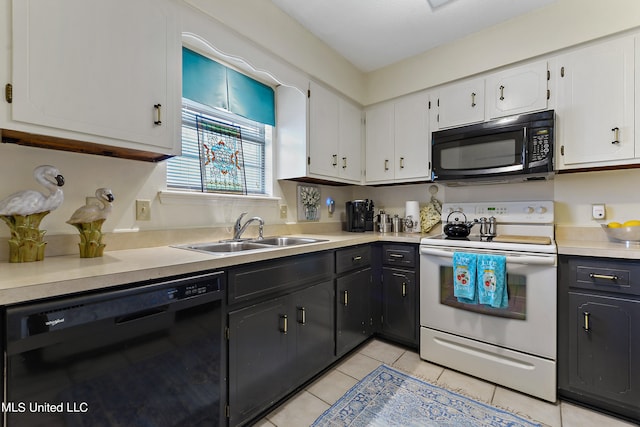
[387,397]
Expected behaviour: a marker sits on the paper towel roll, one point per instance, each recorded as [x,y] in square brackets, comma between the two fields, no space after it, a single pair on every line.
[412,210]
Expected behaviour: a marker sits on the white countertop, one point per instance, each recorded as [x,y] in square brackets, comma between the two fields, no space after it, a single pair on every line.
[59,275]
[592,241]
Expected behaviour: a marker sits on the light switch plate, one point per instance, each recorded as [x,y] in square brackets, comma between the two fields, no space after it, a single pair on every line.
[283,211]
[143,210]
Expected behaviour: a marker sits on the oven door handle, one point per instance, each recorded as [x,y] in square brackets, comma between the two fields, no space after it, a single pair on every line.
[511,259]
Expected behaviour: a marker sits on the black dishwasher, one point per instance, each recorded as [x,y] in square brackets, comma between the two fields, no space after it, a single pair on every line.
[146,355]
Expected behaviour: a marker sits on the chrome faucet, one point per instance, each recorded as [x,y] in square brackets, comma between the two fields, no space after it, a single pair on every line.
[238,229]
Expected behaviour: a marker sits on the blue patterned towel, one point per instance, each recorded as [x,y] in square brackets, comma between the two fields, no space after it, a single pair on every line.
[492,285]
[464,277]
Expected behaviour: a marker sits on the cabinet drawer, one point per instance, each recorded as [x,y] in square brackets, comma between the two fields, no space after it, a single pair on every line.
[352,258]
[272,277]
[620,276]
[400,255]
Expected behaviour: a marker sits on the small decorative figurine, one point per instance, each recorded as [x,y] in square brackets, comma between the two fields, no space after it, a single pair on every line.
[23,211]
[88,220]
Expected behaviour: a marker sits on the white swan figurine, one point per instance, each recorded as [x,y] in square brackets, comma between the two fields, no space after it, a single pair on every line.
[29,202]
[93,212]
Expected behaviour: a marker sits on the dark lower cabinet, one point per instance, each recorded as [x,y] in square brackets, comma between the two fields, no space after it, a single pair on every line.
[354,322]
[399,317]
[276,345]
[353,318]
[599,333]
[399,299]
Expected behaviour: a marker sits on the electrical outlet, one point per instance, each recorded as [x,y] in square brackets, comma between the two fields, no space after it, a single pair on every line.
[283,211]
[143,210]
[598,211]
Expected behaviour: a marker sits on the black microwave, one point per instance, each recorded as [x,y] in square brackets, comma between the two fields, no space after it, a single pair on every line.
[505,149]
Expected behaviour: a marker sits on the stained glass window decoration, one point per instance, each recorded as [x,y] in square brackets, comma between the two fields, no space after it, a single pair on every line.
[221,157]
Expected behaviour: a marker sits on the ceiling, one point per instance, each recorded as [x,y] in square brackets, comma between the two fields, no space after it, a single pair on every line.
[372,34]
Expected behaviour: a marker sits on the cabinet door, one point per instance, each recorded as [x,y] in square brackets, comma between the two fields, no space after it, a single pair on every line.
[100,69]
[399,304]
[350,138]
[380,143]
[352,310]
[412,137]
[517,90]
[460,104]
[595,105]
[314,328]
[323,131]
[604,347]
[260,354]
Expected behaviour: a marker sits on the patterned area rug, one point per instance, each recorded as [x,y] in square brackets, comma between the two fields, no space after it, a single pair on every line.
[387,397]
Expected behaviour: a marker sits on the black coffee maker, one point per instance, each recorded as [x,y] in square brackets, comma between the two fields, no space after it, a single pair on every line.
[360,215]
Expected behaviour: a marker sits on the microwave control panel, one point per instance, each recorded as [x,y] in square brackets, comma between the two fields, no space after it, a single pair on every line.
[540,144]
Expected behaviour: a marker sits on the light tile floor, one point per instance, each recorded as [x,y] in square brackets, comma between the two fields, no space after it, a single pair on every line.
[303,408]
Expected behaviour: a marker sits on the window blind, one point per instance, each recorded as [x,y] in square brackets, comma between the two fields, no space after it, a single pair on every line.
[184,172]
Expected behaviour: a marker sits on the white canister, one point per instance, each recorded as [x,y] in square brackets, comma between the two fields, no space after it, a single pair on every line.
[412,211]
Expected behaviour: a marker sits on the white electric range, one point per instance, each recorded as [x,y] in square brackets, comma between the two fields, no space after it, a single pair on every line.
[514,346]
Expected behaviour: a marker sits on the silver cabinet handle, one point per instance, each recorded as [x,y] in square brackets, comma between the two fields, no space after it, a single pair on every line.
[386,165]
[356,258]
[586,327]
[501,93]
[404,289]
[302,315]
[611,277]
[344,163]
[401,162]
[335,160]
[284,322]
[158,120]
[616,135]
[397,256]
[473,99]
[345,298]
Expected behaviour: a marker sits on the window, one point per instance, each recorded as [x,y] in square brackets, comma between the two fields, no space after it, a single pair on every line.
[213,93]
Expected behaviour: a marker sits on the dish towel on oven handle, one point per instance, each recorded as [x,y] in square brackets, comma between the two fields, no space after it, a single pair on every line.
[464,277]
[492,280]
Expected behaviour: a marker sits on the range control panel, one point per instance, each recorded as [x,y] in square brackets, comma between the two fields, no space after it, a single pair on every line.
[527,212]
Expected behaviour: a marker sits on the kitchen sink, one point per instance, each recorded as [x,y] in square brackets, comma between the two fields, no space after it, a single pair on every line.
[287,241]
[230,247]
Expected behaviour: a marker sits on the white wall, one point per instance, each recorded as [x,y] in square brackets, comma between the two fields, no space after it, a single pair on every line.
[559,25]
[132,180]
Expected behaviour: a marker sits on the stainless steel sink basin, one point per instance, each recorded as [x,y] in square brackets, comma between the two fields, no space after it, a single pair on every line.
[230,247]
[287,241]
[224,247]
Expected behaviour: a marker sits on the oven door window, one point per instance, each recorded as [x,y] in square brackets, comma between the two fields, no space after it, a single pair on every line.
[480,155]
[516,291]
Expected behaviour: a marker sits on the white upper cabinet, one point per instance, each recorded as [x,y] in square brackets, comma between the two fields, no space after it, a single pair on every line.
[517,90]
[460,104]
[102,72]
[595,105]
[398,140]
[412,138]
[335,136]
[319,136]
[379,132]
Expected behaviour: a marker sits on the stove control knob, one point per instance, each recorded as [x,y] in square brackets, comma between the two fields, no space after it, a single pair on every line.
[529,210]
[541,209]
